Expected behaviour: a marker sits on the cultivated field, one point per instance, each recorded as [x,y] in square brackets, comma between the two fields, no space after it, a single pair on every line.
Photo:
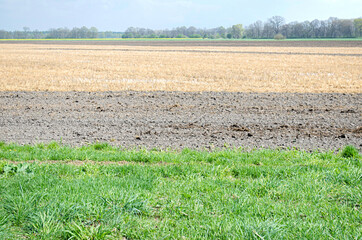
[178,120]
[183,66]
[241,140]
[290,117]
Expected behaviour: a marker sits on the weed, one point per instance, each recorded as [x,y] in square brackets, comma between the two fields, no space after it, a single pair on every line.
[20,208]
[350,152]
[44,225]
[80,231]
[53,145]
[135,206]
[100,146]
[12,169]
[2,165]
[4,220]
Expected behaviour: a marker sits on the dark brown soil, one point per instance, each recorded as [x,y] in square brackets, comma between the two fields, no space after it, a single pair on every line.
[179,120]
[204,51]
[329,43]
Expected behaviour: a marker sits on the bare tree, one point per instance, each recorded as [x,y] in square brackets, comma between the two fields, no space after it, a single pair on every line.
[258,25]
[331,28]
[268,31]
[237,31]
[93,32]
[221,31]
[276,22]
[315,28]
[358,26]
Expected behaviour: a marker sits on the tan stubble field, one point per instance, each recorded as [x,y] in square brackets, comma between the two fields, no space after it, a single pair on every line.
[27,67]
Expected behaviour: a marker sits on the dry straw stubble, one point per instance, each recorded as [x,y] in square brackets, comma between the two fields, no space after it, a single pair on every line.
[29,67]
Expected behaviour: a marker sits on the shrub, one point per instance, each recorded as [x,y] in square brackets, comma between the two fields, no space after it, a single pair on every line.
[152,36]
[279,36]
[195,36]
[350,152]
[181,36]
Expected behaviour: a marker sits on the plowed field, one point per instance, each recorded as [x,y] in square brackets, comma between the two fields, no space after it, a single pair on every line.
[182,94]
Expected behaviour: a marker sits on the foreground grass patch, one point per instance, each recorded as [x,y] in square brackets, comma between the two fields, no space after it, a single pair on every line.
[228,194]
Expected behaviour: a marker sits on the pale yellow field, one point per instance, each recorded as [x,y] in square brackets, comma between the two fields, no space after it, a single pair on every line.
[28,67]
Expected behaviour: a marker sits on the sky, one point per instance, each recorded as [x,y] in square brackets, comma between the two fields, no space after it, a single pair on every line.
[118,15]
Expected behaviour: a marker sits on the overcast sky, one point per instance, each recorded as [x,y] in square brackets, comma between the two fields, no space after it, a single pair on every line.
[117,15]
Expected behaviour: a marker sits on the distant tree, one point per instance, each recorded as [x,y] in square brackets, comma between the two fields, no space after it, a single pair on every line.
[254,30]
[307,30]
[221,31]
[237,31]
[331,28]
[268,31]
[276,23]
[93,32]
[286,30]
[181,30]
[191,31]
[64,32]
[131,32]
[258,26]
[19,35]
[108,34]
[358,27]
[345,28]
[84,32]
[4,34]
[315,28]
[27,33]
[74,33]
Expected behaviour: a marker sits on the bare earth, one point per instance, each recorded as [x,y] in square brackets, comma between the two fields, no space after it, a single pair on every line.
[177,94]
[179,119]
[317,44]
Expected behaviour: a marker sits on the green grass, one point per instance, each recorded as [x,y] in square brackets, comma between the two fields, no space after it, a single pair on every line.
[185,39]
[349,152]
[225,194]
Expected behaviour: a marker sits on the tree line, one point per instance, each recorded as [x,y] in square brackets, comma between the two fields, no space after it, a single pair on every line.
[59,33]
[236,31]
[275,27]
[331,28]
